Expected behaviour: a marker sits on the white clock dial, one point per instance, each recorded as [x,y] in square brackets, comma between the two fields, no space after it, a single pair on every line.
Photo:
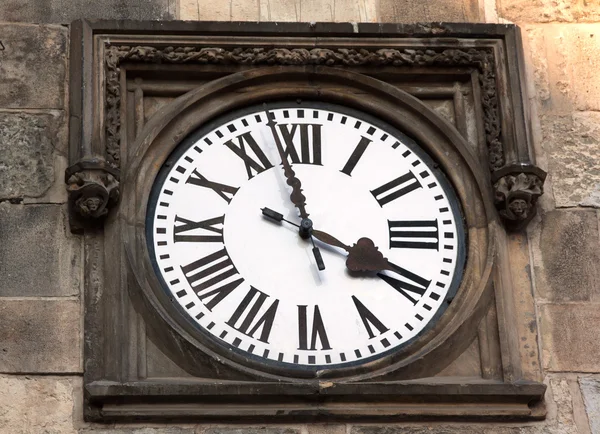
[252,285]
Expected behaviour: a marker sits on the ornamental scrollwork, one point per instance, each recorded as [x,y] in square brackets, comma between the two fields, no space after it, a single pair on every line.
[481,59]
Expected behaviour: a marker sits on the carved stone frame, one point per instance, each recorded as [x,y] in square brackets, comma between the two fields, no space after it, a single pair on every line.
[102,53]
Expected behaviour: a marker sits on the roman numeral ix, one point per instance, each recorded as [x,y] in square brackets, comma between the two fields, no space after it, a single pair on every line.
[209,225]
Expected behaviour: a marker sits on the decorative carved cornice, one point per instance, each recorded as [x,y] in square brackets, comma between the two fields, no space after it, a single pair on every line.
[481,59]
[516,190]
[93,188]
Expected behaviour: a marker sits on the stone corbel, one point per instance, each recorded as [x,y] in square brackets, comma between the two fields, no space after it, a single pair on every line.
[516,190]
[93,189]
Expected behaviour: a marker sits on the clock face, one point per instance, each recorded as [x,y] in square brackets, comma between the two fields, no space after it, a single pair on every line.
[252,285]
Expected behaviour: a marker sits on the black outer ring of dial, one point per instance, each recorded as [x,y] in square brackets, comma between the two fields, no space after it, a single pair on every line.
[268,364]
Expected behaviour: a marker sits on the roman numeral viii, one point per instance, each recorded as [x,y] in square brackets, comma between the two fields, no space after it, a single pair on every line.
[210,277]
[388,192]
[414,234]
[310,144]
[369,319]
[259,163]
[317,330]
[226,192]
[246,313]
[410,285]
[201,227]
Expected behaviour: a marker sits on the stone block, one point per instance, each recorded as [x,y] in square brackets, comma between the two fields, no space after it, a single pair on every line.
[545,11]
[567,256]
[40,336]
[33,66]
[571,144]
[590,389]
[250,430]
[29,145]
[136,430]
[329,428]
[566,55]
[38,256]
[65,11]
[408,11]
[570,337]
[34,404]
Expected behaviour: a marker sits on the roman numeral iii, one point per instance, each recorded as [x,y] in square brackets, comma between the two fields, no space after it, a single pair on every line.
[247,312]
[209,225]
[205,275]
[387,193]
[259,163]
[414,234]
[310,144]
[317,330]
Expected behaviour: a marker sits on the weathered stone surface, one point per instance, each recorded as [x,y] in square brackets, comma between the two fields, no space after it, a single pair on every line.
[327,429]
[250,430]
[545,11]
[590,388]
[136,430]
[65,11]
[282,10]
[37,405]
[39,256]
[567,256]
[569,337]
[27,152]
[33,66]
[571,143]
[407,11]
[565,58]
[40,336]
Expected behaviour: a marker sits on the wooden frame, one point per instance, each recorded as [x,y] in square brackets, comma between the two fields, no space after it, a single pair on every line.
[195,71]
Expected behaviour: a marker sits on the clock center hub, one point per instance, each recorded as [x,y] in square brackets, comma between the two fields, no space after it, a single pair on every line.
[277,257]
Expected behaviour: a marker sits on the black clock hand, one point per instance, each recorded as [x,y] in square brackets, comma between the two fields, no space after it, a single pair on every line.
[305,224]
[297,198]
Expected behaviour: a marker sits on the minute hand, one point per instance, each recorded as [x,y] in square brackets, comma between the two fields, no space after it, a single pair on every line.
[296,197]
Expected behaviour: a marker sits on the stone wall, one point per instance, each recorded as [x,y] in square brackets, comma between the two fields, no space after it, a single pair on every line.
[41,262]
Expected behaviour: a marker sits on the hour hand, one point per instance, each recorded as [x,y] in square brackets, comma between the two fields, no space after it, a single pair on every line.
[362,256]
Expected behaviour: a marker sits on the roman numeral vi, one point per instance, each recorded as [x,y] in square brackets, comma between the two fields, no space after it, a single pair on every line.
[317,330]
